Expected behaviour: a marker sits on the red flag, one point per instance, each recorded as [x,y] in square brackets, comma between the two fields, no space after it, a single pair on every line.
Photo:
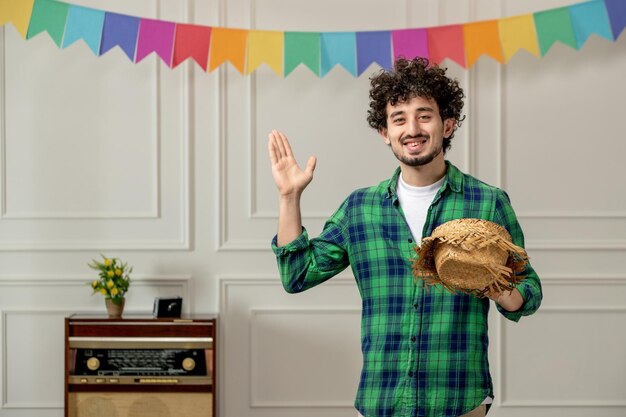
[192,41]
[446,42]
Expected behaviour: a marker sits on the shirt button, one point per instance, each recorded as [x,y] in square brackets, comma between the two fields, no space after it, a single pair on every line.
[411,374]
[410,240]
[413,338]
[416,305]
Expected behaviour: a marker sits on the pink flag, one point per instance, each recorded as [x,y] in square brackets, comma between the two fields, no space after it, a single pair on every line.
[446,42]
[410,43]
[155,36]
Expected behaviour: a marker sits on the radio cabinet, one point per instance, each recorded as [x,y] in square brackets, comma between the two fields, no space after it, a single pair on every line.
[140,366]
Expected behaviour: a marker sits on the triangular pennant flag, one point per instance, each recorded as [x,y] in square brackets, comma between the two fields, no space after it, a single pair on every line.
[446,42]
[302,48]
[409,43]
[589,18]
[516,33]
[373,47]
[338,48]
[228,45]
[120,30]
[18,13]
[155,36]
[192,41]
[482,38]
[617,15]
[49,16]
[86,24]
[265,47]
[552,26]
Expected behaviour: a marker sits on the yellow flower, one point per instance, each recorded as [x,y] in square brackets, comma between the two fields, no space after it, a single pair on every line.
[110,274]
[114,291]
[118,272]
[103,291]
[94,284]
[107,262]
[110,284]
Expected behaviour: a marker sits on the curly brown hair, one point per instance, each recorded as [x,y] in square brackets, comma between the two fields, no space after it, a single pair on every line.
[410,78]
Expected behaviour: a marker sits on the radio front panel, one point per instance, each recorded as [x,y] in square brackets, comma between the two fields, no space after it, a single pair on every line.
[171,358]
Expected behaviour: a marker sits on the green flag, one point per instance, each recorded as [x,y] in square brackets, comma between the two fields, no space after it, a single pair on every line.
[302,48]
[49,16]
[552,26]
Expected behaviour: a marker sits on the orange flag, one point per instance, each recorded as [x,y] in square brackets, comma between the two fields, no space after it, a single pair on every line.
[18,13]
[482,38]
[228,45]
[518,32]
[265,47]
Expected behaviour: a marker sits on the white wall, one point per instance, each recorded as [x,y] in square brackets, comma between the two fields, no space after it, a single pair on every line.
[168,169]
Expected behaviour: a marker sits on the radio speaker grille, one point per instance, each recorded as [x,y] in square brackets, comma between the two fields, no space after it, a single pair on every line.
[139,404]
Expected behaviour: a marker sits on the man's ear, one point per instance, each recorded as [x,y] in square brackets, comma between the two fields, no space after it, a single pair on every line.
[383,133]
[448,127]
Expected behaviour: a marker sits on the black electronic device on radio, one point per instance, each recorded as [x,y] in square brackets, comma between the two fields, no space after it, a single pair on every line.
[167,307]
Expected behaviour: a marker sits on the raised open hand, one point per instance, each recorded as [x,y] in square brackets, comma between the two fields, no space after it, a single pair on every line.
[288,176]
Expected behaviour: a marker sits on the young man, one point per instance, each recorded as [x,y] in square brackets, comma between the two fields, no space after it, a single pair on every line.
[424,351]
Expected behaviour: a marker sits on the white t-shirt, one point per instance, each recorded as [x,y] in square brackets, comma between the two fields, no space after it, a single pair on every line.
[415,202]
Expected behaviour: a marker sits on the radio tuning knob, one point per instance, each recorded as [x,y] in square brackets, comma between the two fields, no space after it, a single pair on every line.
[93,363]
[188,364]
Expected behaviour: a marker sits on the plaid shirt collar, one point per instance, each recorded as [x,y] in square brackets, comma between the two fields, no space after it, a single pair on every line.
[453,180]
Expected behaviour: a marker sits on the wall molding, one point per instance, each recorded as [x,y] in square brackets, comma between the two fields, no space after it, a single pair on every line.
[599,309]
[5,404]
[255,402]
[228,281]
[181,242]
[153,213]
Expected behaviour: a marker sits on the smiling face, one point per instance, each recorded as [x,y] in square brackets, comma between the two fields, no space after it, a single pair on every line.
[415,131]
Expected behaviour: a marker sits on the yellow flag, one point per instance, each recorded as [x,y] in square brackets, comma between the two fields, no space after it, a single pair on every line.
[482,38]
[228,45]
[17,12]
[518,32]
[265,47]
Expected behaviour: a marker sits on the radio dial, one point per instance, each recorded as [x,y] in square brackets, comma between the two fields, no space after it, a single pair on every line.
[188,364]
[93,363]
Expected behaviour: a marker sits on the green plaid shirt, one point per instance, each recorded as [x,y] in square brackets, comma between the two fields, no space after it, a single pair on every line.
[424,352]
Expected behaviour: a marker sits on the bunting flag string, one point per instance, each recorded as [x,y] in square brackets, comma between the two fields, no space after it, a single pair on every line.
[320,52]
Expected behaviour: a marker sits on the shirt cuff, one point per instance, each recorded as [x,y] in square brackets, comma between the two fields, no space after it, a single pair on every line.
[295,245]
[516,315]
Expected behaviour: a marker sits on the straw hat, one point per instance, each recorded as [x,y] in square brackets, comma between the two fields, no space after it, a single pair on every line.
[470,255]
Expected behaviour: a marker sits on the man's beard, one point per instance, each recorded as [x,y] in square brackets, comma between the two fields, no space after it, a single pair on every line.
[417,161]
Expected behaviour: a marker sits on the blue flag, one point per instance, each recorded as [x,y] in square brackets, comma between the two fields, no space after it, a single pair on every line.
[338,48]
[617,15]
[373,47]
[589,18]
[120,30]
[84,23]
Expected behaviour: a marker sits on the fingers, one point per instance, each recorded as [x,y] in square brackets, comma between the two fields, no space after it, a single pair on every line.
[310,166]
[278,146]
[272,148]
[286,147]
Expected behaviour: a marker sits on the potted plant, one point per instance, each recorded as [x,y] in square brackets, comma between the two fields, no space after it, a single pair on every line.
[113,283]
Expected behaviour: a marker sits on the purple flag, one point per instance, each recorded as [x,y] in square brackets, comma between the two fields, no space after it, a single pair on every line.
[373,47]
[410,43]
[119,30]
[156,36]
[617,15]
